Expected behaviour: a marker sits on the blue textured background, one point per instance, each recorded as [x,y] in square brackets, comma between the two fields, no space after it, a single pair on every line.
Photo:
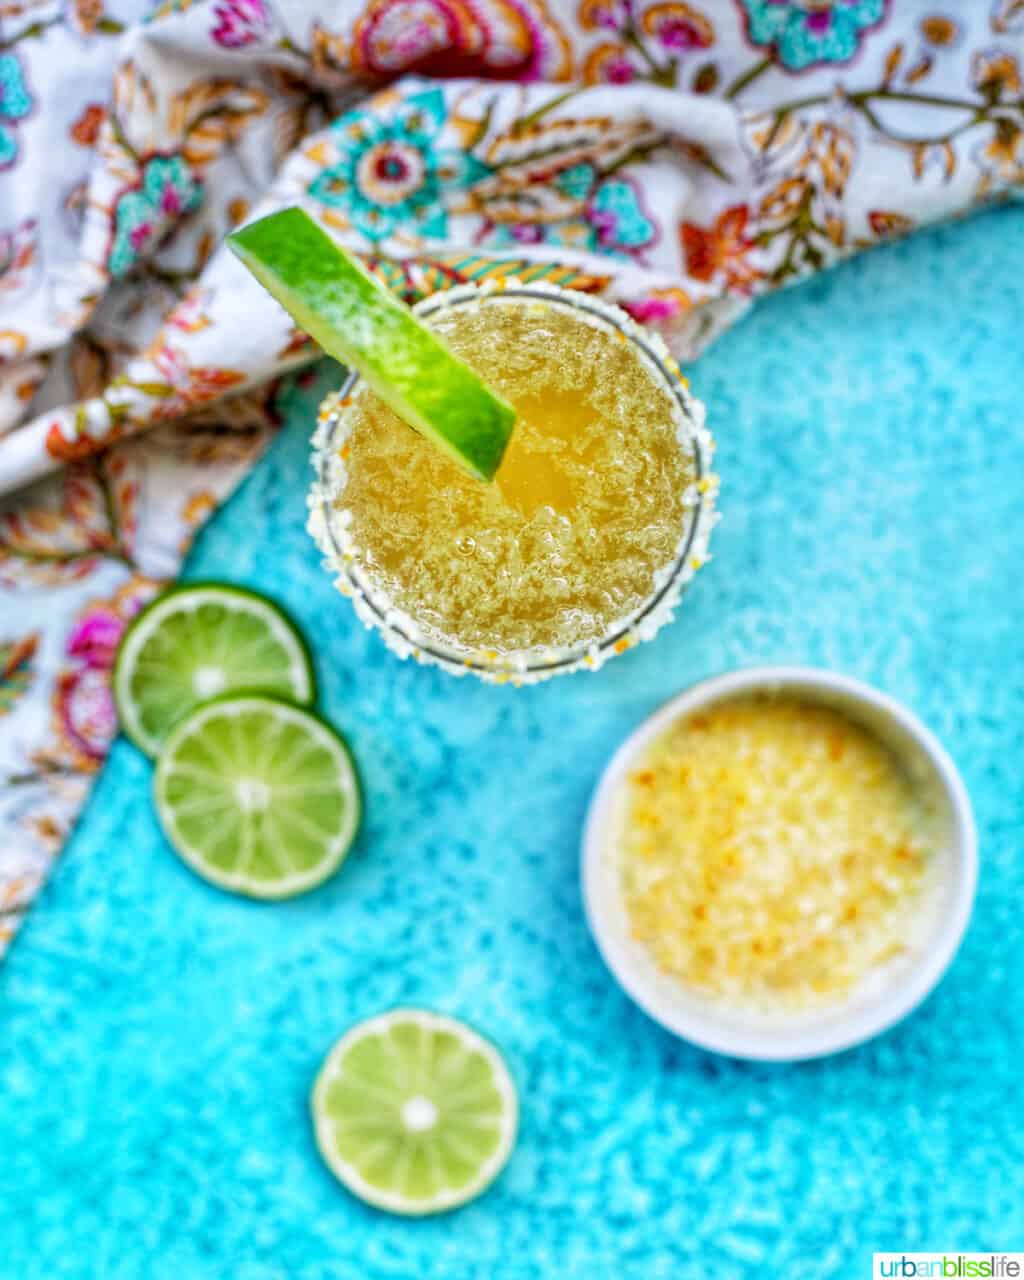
[158,1038]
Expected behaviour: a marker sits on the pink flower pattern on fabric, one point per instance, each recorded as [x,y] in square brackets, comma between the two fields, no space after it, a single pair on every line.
[83,703]
[240,23]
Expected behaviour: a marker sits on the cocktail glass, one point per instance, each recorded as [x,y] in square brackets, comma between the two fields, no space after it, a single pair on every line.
[369,495]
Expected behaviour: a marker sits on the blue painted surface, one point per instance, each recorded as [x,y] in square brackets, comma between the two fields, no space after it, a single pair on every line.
[159,1038]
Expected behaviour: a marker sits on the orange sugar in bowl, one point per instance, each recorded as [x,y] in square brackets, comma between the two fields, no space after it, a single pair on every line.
[779,863]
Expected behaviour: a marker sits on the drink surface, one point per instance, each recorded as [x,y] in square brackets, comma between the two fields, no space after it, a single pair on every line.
[587,506]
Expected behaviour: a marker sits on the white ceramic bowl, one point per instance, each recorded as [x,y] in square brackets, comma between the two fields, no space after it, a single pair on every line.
[888,995]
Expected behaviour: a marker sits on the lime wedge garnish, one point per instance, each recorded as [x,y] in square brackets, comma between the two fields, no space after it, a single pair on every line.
[197,642]
[361,323]
[258,796]
[414,1112]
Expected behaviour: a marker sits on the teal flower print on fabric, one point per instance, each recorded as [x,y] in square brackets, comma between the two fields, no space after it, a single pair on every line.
[618,218]
[15,104]
[166,190]
[391,174]
[806,33]
[612,220]
[577,181]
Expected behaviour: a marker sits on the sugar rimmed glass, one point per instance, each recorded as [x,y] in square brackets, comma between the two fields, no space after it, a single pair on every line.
[406,635]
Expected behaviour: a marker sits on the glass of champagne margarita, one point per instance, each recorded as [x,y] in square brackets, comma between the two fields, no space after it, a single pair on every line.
[598,516]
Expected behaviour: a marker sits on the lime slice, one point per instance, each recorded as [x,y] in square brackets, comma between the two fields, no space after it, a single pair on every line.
[258,796]
[195,643]
[414,1112]
[361,323]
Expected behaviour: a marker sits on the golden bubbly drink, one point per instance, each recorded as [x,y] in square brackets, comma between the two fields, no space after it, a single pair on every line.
[598,513]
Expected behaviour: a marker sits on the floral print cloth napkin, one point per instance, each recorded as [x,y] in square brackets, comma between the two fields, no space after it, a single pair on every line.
[680,158]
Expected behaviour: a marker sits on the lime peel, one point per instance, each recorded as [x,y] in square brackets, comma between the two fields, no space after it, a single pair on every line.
[361,323]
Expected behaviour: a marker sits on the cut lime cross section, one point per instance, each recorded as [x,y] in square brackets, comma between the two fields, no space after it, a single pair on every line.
[361,323]
[415,1112]
[258,796]
[198,642]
